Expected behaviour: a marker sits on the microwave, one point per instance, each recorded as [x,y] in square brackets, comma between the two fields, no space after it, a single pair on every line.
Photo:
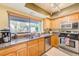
[66,26]
[75,25]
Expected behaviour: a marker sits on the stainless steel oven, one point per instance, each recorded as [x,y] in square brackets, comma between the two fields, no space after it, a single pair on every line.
[72,44]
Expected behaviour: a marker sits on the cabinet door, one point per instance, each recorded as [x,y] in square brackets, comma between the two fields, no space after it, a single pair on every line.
[22,52]
[11,54]
[33,50]
[41,46]
[47,23]
[73,17]
[54,40]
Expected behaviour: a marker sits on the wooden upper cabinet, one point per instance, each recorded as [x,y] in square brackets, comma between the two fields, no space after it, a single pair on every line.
[47,23]
[73,17]
[55,24]
[69,18]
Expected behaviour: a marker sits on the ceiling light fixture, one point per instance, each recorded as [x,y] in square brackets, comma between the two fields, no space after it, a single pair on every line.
[56,6]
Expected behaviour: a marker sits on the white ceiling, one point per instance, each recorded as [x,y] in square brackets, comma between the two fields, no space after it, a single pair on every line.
[49,7]
[21,7]
[53,7]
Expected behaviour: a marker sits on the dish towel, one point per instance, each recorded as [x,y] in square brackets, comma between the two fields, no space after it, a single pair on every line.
[67,41]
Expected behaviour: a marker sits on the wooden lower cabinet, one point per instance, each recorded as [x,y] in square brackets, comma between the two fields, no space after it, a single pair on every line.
[54,40]
[11,54]
[36,47]
[41,46]
[33,48]
[33,51]
[30,48]
[22,52]
[41,49]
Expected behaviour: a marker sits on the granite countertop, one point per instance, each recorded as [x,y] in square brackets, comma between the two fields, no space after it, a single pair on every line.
[20,40]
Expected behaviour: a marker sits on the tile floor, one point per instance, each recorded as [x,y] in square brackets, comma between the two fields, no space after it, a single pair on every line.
[59,52]
[68,52]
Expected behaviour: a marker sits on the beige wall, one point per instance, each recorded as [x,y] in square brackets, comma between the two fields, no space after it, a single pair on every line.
[4,15]
[3,18]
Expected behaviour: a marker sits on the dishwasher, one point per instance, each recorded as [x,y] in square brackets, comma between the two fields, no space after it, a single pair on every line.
[47,43]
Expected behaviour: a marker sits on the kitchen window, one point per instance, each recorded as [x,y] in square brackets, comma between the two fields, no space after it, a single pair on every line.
[35,27]
[17,26]
[22,25]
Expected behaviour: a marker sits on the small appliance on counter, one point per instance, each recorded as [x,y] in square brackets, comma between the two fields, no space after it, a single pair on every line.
[5,36]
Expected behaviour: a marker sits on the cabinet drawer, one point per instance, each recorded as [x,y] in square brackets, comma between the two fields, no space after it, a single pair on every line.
[19,46]
[41,40]
[33,42]
[11,54]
